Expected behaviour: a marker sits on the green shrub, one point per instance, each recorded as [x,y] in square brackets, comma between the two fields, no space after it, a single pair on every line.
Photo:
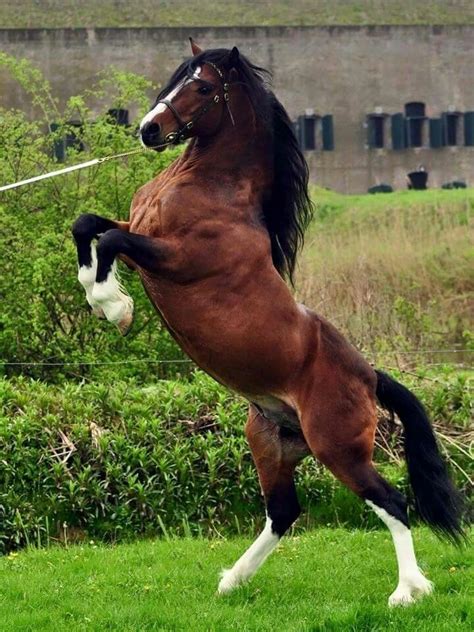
[116,461]
[44,315]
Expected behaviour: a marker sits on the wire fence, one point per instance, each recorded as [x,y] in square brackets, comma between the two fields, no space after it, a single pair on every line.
[99,363]
[374,354]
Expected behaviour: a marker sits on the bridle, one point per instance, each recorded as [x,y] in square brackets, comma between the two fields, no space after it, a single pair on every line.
[179,135]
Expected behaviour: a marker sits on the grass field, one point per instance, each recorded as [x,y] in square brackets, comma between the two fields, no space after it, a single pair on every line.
[393,271]
[328,579]
[70,13]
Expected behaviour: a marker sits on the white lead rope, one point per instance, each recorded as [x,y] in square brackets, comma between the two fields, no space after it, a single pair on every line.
[58,172]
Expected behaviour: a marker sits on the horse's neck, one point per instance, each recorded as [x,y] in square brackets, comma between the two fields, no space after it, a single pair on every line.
[241,146]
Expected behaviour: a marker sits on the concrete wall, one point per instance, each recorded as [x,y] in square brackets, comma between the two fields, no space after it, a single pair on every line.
[345,71]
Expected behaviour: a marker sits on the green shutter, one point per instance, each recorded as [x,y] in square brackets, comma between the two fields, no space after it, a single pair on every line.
[309,132]
[398,131]
[59,146]
[370,132]
[300,131]
[469,129]
[328,132]
[436,133]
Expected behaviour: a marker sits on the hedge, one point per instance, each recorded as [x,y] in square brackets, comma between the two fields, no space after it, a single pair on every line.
[120,460]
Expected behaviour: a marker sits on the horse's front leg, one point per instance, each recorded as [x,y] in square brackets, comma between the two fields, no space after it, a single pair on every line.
[85,230]
[148,253]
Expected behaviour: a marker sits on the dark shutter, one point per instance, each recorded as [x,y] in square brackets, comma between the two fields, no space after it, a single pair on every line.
[300,131]
[469,129]
[398,131]
[451,128]
[436,133]
[59,147]
[307,132]
[118,115]
[310,132]
[328,132]
[375,131]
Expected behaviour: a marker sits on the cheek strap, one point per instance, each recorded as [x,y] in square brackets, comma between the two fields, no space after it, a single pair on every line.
[180,134]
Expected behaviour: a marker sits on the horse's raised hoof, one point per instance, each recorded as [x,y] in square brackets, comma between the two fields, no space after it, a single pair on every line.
[125,324]
[98,312]
[408,592]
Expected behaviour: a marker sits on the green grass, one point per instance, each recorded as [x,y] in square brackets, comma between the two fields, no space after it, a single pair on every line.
[323,580]
[393,271]
[89,13]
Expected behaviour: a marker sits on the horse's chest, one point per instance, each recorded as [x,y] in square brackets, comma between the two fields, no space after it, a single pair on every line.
[146,218]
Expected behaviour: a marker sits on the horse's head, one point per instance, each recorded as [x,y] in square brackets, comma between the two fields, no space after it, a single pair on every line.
[193,102]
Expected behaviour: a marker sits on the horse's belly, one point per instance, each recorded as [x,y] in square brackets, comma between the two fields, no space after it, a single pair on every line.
[276,410]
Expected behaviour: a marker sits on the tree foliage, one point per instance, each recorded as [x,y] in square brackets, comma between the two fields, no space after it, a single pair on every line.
[44,316]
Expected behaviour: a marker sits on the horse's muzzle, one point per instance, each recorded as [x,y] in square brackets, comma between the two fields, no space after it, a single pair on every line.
[151,136]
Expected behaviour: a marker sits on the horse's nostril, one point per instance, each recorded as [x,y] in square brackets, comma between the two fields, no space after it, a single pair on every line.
[150,134]
[152,129]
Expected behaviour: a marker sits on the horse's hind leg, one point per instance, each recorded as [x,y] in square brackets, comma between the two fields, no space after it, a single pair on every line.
[348,454]
[85,230]
[276,453]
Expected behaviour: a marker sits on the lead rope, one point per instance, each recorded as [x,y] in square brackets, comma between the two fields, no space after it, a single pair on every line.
[171,138]
[82,165]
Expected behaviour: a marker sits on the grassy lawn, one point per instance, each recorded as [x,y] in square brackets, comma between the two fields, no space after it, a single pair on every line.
[70,13]
[328,579]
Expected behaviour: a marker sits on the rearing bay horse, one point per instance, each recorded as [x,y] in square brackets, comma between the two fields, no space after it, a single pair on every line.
[213,237]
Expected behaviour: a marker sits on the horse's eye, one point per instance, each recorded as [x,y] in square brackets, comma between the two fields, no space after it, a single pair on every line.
[205,90]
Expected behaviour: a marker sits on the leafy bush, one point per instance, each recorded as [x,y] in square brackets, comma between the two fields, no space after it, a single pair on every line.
[118,461]
[44,316]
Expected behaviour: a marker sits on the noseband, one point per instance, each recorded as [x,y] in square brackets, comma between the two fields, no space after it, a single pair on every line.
[180,134]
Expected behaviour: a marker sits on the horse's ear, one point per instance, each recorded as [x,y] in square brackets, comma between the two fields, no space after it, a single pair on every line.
[234,57]
[194,47]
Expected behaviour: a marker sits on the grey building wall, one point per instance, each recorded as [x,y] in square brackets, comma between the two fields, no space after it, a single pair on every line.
[345,71]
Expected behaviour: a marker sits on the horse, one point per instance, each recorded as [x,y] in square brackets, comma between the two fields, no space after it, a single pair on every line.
[214,239]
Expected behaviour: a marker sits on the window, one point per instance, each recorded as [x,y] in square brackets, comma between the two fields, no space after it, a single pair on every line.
[118,115]
[415,132]
[415,109]
[306,127]
[415,123]
[68,139]
[376,131]
[315,132]
[452,124]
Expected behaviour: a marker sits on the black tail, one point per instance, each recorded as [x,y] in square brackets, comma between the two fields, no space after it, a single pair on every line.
[437,501]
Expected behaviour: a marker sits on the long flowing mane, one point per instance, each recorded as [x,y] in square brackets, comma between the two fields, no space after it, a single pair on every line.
[287,209]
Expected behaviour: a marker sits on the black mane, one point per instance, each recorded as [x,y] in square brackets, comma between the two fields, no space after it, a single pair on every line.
[287,209]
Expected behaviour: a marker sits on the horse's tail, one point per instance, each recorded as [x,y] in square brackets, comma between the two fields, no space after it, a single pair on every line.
[437,501]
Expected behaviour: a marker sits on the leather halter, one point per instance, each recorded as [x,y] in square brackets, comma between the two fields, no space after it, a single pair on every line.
[179,135]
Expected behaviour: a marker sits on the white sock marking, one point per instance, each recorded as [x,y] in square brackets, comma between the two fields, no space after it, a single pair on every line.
[86,276]
[250,561]
[411,582]
[116,304]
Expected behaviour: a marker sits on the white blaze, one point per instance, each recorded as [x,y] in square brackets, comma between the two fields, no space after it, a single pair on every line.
[161,107]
